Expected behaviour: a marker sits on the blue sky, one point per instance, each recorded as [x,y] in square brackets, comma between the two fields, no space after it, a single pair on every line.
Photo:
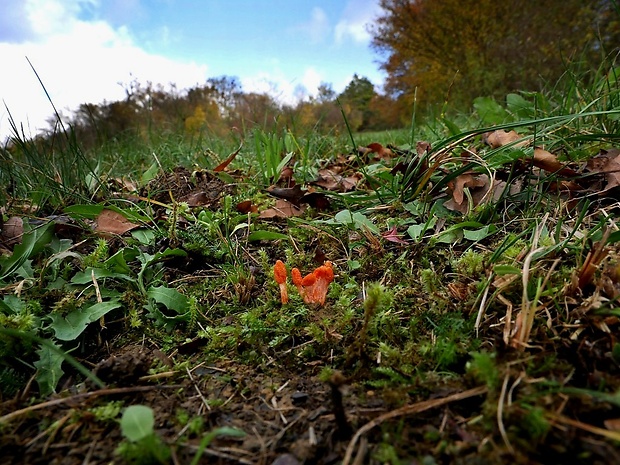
[85,50]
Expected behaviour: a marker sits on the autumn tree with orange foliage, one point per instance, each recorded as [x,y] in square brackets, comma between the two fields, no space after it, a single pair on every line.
[456,50]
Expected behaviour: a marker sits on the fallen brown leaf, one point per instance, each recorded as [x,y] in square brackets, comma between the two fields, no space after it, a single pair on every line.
[466,180]
[332,181]
[292,194]
[246,207]
[549,162]
[13,230]
[501,137]
[222,166]
[113,222]
[381,151]
[607,162]
[282,209]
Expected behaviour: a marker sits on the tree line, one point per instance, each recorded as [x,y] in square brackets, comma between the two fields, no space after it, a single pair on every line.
[452,51]
[221,105]
[436,53]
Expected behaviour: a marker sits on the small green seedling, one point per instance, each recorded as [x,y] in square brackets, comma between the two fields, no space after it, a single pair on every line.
[143,446]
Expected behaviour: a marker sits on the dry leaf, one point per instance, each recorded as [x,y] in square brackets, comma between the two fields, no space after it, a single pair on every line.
[332,181]
[479,185]
[607,163]
[13,230]
[292,194]
[550,163]
[466,180]
[500,138]
[282,209]
[197,199]
[113,222]
[422,148]
[222,166]
[381,151]
[393,236]
[246,207]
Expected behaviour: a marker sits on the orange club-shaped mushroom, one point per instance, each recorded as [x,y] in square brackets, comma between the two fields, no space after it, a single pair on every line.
[313,287]
[279,273]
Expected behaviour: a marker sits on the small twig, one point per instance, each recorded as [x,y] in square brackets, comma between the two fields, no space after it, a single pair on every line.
[204,401]
[561,419]
[216,453]
[87,395]
[407,410]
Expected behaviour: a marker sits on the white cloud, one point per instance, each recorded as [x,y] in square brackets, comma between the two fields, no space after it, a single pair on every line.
[355,19]
[317,28]
[78,62]
[282,88]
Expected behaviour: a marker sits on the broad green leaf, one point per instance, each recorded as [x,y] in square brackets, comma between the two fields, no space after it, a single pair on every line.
[90,211]
[144,236]
[357,220]
[33,242]
[266,236]
[479,234]
[11,304]
[118,261]
[415,231]
[519,106]
[490,111]
[450,236]
[137,422]
[148,259]
[49,369]
[86,276]
[70,326]
[170,298]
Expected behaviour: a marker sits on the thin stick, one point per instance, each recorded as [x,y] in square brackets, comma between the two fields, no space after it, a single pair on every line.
[407,410]
[102,392]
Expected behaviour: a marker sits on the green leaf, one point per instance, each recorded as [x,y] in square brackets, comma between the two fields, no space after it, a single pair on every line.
[137,422]
[415,231]
[69,327]
[144,236]
[266,236]
[453,128]
[49,369]
[86,276]
[170,298]
[33,242]
[490,111]
[501,270]
[118,261]
[479,234]
[519,106]
[150,173]
[206,440]
[89,212]
[357,220]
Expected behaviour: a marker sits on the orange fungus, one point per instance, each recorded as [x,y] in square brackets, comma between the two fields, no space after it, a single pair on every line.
[280,274]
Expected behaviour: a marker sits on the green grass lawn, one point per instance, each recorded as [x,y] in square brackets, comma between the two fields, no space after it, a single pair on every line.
[472,316]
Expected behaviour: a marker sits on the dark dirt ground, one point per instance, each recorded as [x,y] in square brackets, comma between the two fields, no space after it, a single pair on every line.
[290,417]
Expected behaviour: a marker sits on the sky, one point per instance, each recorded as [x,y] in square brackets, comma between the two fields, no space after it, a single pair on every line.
[88,51]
